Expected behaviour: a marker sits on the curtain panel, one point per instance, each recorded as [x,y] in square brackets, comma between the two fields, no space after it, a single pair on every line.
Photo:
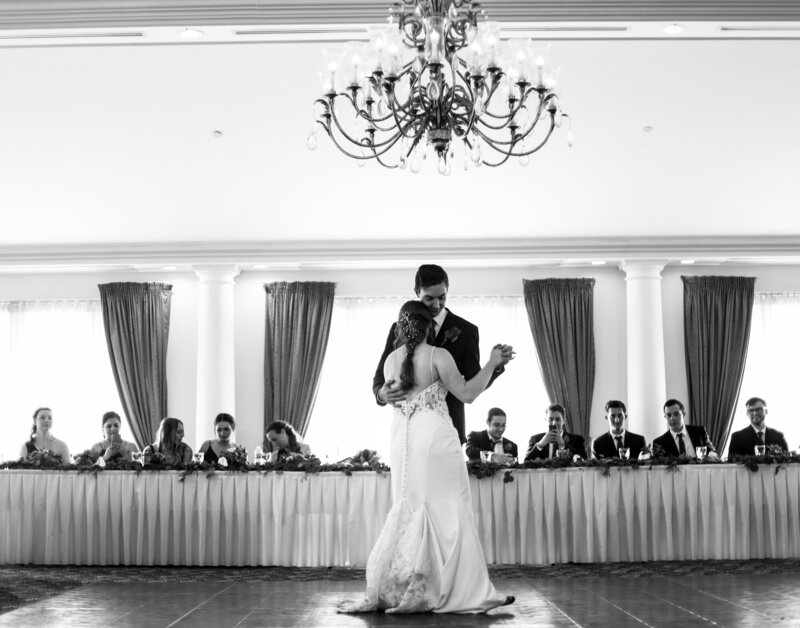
[298,322]
[136,321]
[717,313]
[561,318]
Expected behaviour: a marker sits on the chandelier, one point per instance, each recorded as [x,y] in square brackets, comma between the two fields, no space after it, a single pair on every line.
[437,77]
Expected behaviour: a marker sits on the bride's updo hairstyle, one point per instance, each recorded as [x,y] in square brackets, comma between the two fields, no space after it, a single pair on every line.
[413,325]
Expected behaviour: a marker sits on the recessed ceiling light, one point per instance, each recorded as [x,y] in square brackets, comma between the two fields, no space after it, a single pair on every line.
[191,33]
[217,133]
[674,29]
[170,268]
[647,129]
[598,262]
[687,261]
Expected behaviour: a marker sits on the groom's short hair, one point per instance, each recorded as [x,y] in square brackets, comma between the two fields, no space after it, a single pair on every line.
[430,275]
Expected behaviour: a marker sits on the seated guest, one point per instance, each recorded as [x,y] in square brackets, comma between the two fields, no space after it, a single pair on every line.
[608,445]
[545,445]
[41,438]
[169,447]
[112,447]
[491,439]
[213,450]
[681,439]
[743,442]
[282,442]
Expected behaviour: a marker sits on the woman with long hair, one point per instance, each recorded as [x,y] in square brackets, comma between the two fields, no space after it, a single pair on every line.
[283,442]
[428,556]
[169,447]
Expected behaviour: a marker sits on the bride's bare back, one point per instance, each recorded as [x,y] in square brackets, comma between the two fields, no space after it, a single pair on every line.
[431,364]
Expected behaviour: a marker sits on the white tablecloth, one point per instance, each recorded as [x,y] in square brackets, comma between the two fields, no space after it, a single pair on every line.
[543,516]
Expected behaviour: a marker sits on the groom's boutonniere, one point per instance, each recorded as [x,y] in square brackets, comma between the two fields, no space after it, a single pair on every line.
[452,334]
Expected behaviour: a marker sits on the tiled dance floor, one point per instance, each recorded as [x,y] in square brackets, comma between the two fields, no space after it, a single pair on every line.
[711,600]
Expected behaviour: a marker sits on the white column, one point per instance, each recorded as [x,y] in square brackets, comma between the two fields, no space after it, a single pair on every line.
[216,383]
[645,327]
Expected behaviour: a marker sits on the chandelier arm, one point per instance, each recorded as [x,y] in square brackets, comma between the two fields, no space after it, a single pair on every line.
[355,141]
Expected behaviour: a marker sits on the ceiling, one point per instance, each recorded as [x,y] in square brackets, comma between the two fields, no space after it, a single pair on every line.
[121,142]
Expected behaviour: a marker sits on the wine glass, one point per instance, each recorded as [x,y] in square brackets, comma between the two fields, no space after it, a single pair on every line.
[701,452]
[761,450]
[136,457]
[258,456]
[624,453]
[198,457]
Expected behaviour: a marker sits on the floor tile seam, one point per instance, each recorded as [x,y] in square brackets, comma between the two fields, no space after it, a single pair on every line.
[685,610]
[721,599]
[619,608]
[220,592]
[555,606]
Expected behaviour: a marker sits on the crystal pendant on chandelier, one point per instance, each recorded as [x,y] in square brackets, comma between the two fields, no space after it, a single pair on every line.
[439,77]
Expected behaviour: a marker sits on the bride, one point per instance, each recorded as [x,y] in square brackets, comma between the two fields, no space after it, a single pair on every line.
[428,556]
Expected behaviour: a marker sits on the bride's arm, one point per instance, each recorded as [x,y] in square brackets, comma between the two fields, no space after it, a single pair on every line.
[454,381]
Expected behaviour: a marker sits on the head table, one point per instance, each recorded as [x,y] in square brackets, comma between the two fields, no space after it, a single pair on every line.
[543,516]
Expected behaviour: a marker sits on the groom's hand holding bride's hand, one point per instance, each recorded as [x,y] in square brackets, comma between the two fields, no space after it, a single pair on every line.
[391,393]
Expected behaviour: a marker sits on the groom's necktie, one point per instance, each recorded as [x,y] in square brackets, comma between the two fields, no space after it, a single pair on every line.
[760,437]
[618,441]
[681,445]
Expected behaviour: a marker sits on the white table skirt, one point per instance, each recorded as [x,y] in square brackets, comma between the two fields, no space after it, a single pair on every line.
[542,517]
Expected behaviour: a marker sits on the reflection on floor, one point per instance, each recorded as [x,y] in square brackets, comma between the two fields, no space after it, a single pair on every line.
[698,600]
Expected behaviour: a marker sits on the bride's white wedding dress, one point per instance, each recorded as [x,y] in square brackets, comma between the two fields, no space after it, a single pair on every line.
[428,556]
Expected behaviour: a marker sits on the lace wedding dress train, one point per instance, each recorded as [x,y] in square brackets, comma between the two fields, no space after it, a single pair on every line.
[428,556]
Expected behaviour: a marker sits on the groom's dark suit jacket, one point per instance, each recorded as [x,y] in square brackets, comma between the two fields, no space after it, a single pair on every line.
[605,447]
[460,338]
[743,442]
[697,434]
[480,441]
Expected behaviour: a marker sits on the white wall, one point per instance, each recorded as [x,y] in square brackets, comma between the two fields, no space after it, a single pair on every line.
[610,340]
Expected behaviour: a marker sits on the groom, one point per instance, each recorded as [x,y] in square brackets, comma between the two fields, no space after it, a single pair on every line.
[451,332]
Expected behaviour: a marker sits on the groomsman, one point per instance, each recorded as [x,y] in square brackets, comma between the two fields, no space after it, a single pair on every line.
[609,444]
[546,444]
[491,439]
[451,332]
[743,442]
[681,439]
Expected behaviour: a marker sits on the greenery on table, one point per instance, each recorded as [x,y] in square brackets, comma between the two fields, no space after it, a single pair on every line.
[368,460]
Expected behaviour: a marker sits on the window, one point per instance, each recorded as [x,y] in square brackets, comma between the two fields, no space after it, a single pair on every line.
[53,353]
[345,416]
[771,368]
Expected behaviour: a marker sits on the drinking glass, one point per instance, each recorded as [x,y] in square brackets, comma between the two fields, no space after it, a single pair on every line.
[198,457]
[258,456]
[624,453]
[701,452]
[563,454]
[761,450]
[136,456]
[486,456]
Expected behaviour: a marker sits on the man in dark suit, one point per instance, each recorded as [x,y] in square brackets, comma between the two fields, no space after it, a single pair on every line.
[681,439]
[743,442]
[491,439]
[608,445]
[547,444]
[451,332]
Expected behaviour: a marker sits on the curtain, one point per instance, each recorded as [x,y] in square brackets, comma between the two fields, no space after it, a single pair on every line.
[716,330]
[561,318]
[298,322]
[53,353]
[345,381]
[771,370]
[136,319]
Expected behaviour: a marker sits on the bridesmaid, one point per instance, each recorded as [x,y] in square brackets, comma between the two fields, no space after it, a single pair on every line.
[284,441]
[213,450]
[112,447]
[169,444]
[41,438]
